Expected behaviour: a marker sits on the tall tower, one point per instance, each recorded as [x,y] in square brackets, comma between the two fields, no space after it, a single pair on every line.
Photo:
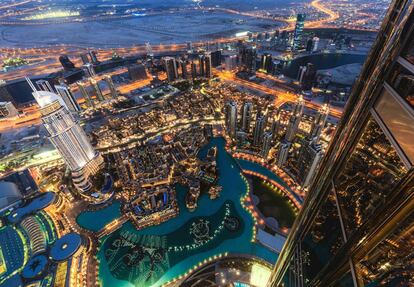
[297,37]
[319,123]
[267,144]
[294,120]
[67,96]
[171,68]
[247,116]
[309,158]
[208,67]
[97,89]
[68,137]
[85,94]
[111,85]
[275,126]
[282,154]
[259,129]
[231,119]
[356,225]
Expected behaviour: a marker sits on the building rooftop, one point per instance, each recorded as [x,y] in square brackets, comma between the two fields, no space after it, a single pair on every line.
[66,246]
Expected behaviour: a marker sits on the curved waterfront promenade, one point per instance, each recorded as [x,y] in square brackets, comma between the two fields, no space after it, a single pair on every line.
[178,245]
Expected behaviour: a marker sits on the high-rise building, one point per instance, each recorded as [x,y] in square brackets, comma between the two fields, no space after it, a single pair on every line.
[266,144]
[319,123]
[44,86]
[111,85]
[231,119]
[283,152]
[297,37]
[275,126]
[193,70]
[66,63]
[85,58]
[68,98]
[89,70]
[148,49]
[8,110]
[230,62]
[97,89]
[247,58]
[184,71]
[266,63]
[137,72]
[85,94]
[201,65]
[294,120]
[171,68]
[356,225]
[208,71]
[309,159]
[247,116]
[307,76]
[216,58]
[259,129]
[68,137]
[93,56]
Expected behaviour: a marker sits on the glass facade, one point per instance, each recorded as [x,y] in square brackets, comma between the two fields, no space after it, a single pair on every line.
[402,80]
[390,263]
[369,176]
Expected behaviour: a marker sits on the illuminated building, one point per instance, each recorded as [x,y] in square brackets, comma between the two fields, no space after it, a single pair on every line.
[97,89]
[171,68]
[266,145]
[8,110]
[201,65]
[68,137]
[231,119]
[85,58]
[93,56]
[259,129]
[10,195]
[193,70]
[315,44]
[356,226]
[309,158]
[294,120]
[275,126]
[307,75]
[44,86]
[283,153]
[266,63]
[319,123]
[247,116]
[230,62]
[85,94]
[247,58]
[208,67]
[111,85]
[89,70]
[67,96]
[297,37]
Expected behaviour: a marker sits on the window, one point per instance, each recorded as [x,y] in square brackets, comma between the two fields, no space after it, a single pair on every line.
[402,81]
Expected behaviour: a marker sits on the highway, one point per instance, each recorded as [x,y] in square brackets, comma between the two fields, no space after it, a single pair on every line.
[281,95]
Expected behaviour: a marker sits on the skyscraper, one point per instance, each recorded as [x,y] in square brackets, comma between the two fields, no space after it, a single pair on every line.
[231,119]
[247,116]
[207,66]
[171,68]
[297,37]
[307,75]
[216,58]
[68,137]
[67,96]
[356,225]
[309,158]
[294,120]
[259,129]
[201,65]
[266,63]
[98,91]
[137,72]
[266,144]
[88,70]
[247,58]
[111,85]
[283,152]
[85,94]
[275,126]
[319,123]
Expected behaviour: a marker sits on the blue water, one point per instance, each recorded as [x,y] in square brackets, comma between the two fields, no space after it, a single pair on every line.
[96,220]
[234,187]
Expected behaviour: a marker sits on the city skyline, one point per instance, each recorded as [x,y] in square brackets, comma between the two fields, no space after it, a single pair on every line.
[206,143]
